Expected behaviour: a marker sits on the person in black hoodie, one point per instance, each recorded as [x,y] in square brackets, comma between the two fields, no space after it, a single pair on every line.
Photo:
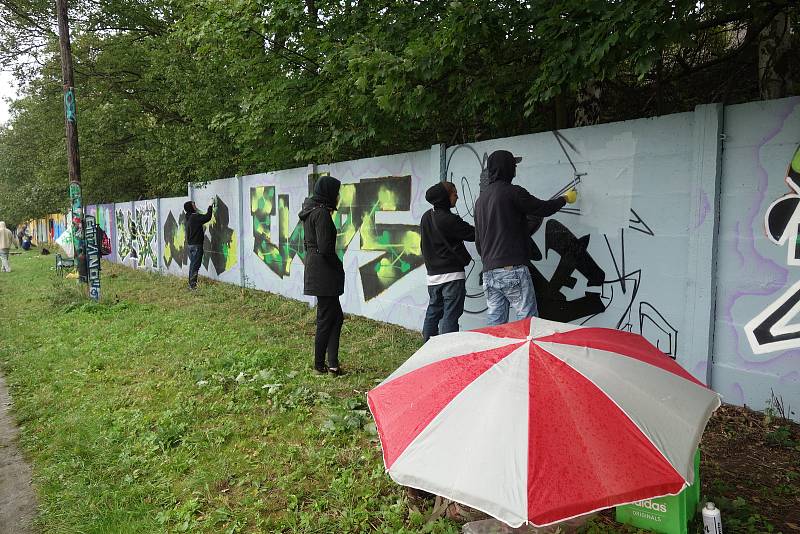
[443,234]
[502,228]
[324,272]
[194,238]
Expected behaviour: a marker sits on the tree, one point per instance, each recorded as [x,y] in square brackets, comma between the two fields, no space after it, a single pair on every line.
[171,91]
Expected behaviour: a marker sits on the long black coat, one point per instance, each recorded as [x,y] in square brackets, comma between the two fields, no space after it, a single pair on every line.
[324,274]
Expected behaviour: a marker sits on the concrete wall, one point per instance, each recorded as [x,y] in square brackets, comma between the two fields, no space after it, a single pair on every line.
[667,238]
[757,334]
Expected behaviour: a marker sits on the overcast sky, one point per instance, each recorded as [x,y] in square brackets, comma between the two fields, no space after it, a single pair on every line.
[7,89]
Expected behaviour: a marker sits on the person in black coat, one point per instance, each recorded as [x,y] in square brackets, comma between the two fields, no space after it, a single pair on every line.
[194,238]
[442,239]
[324,272]
[505,216]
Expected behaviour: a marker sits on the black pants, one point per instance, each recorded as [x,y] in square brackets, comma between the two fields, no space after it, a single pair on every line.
[329,328]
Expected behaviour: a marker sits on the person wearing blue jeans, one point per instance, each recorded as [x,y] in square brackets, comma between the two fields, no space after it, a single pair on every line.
[195,260]
[501,237]
[442,236]
[194,238]
[509,287]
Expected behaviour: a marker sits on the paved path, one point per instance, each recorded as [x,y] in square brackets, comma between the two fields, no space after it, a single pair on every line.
[17,499]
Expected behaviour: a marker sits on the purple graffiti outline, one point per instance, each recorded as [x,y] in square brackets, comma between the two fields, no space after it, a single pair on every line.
[759,260]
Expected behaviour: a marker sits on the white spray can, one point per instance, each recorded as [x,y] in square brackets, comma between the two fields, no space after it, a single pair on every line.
[712,523]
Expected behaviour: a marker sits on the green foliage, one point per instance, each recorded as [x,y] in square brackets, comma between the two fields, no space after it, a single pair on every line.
[170,91]
[154,411]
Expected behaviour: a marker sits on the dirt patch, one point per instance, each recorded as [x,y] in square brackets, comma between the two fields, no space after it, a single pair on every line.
[751,465]
[17,499]
[750,468]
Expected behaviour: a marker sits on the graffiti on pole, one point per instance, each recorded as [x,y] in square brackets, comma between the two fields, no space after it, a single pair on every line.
[69,104]
[92,258]
[77,228]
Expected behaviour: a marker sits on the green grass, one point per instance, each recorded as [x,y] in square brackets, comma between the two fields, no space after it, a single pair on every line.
[161,410]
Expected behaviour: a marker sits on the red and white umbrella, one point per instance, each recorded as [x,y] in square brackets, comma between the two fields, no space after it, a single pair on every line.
[538,421]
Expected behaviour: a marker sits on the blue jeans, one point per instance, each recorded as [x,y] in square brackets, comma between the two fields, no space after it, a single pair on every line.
[445,306]
[195,259]
[509,286]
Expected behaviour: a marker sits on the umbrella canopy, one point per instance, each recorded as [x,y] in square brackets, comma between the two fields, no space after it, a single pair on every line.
[541,421]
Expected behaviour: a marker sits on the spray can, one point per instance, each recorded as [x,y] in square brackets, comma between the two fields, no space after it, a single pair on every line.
[712,523]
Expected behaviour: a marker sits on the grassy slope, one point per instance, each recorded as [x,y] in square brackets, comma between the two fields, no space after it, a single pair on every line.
[123,439]
[161,410]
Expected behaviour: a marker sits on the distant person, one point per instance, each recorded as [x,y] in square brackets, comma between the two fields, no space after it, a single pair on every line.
[23,228]
[194,238]
[6,241]
[324,272]
[502,235]
[443,234]
[26,243]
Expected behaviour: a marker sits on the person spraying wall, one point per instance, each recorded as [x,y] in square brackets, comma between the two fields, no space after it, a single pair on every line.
[194,238]
[502,237]
[442,240]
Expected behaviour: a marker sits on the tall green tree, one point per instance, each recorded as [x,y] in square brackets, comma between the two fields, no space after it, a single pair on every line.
[171,91]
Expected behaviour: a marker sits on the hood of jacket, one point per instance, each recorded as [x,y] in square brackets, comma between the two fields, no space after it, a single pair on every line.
[188,208]
[501,166]
[326,191]
[2,226]
[438,195]
[309,205]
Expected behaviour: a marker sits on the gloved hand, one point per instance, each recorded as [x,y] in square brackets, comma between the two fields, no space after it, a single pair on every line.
[571,196]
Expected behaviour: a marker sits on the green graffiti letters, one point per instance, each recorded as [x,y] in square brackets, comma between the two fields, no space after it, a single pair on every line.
[359,204]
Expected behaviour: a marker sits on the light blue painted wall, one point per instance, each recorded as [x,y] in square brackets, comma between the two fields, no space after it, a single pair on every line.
[667,238]
[752,272]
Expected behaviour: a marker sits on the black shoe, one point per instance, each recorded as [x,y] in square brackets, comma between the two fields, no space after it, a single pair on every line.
[336,371]
[321,371]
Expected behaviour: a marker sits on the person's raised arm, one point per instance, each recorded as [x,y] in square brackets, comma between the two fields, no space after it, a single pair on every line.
[530,205]
[207,217]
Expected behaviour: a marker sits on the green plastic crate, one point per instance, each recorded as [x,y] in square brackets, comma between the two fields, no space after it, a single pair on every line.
[665,515]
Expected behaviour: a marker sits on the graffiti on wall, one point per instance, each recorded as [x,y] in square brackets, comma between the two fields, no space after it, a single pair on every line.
[290,239]
[220,242]
[175,240]
[775,327]
[614,285]
[359,203]
[137,234]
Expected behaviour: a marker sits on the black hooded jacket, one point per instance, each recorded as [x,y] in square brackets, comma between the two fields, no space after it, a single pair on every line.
[501,215]
[443,234]
[324,273]
[194,224]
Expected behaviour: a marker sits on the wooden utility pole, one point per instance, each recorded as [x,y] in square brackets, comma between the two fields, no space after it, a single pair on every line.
[71,122]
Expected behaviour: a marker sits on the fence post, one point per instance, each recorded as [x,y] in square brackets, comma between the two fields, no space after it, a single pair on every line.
[239,188]
[159,237]
[702,250]
[439,161]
